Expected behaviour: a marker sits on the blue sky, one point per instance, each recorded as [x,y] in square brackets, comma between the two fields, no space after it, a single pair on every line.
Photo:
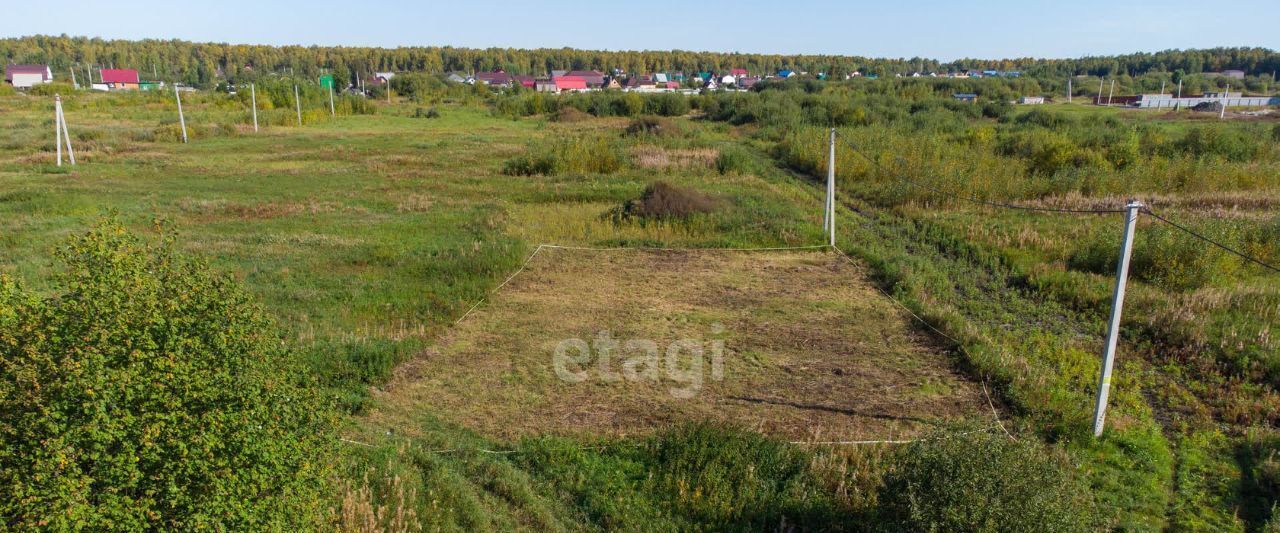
[925,28]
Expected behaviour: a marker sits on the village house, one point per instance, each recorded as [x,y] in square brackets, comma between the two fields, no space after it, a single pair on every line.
[119,78]
[738,72]
[747,82]
[640,83]
[593,78]
[457,77]
[570,83]
[528,82]
[495,78]
[1237,74]
[26,76]
[965,97]
[1031,100]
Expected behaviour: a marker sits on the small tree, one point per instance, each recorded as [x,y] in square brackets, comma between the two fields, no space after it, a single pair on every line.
[150,393]
[984,482]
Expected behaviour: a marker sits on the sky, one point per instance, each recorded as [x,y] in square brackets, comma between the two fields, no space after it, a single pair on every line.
[903,29]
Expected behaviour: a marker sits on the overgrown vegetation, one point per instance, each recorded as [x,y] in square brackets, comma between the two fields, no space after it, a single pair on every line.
[150,393]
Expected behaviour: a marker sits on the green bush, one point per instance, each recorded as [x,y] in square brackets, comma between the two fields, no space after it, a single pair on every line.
[733,159]
[150,393]
[984,482]
[574,155]
[1177,261]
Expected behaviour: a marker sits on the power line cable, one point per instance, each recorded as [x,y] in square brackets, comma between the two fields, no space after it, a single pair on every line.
[1193,233]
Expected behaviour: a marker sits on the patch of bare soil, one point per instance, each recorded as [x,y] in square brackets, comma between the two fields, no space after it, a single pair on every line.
[795,343]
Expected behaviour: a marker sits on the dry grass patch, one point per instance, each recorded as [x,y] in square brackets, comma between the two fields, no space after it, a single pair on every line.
[810,351]
[657,158]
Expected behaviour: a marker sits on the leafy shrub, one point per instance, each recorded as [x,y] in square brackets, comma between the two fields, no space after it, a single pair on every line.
[151,393]
[650,125]
[738,480]
[537,164]
[1205,141]
[1174,260]
[664,201]
[423,112]
[50,89]
[984,482]
[575,155]
[733,159]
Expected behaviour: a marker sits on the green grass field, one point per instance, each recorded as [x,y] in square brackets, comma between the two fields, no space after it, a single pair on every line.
[367,235]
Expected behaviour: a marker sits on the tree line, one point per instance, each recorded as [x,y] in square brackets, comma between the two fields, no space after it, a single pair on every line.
[205,64]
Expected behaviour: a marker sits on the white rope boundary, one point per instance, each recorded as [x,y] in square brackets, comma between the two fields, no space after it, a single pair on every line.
[994,412]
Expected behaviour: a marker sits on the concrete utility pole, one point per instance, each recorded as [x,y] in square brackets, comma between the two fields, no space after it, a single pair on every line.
[1222,113]
[1113,327]
[181,119]
[253,101]
[1100,82]
[1179,88]
[1161,87]
[331,113]
[297,104]
[830,218]
[73,78]
[1068,89]
[66,134]
[1111,93]
[57,126]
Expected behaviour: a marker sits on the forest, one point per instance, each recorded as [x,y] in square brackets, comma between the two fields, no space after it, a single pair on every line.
[205,64]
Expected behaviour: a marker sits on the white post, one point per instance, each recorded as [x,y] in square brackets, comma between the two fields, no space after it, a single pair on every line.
[297,103]
[181,119]
[831,189]
[1222,113]
[66,134]
[1111,92]
[331,99]
[1179,88]
[1113,327]
[1068,89]
[253,100]
[1100,82]
[1161,87]
[57,126]
[73,78]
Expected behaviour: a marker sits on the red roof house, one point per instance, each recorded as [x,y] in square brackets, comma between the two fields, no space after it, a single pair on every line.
[526,81]
[738,72]
[571,83]
[120,78]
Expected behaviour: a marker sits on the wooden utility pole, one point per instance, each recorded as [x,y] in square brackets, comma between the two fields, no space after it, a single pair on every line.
[181,119]
[1113,326]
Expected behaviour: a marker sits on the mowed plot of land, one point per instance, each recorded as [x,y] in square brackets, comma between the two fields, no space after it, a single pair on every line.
[810,351]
